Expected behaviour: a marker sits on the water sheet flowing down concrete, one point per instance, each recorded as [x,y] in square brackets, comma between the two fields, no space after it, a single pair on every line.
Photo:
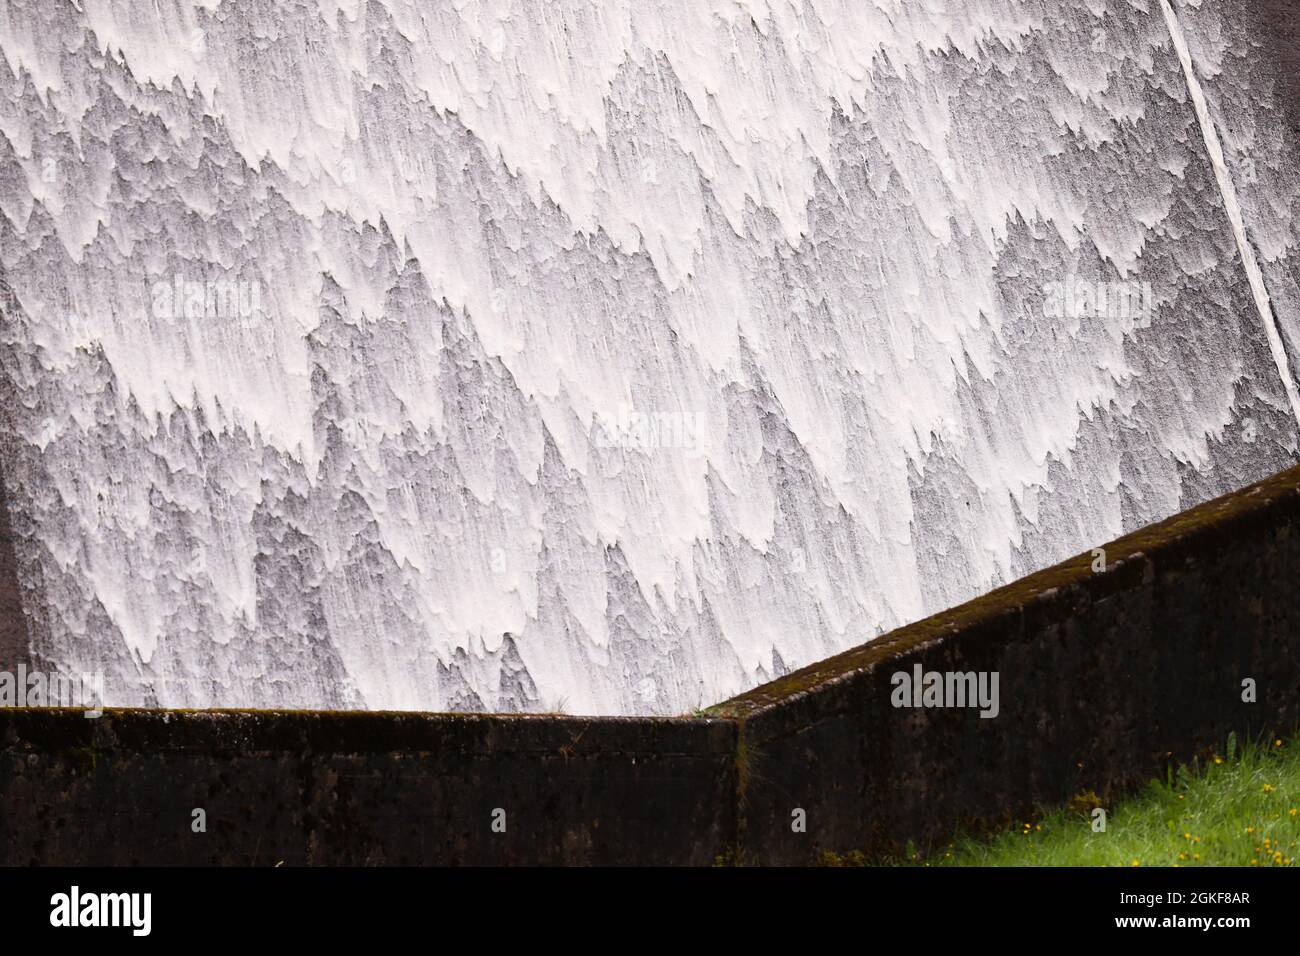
[612,357]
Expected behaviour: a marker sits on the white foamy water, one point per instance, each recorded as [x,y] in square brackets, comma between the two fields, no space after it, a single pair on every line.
[611,356]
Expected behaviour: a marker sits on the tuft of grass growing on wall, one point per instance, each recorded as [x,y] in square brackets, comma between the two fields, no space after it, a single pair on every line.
[1237,808]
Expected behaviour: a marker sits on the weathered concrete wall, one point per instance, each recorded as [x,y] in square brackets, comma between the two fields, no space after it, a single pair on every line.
[361,788]
[13,630]
[1103,678]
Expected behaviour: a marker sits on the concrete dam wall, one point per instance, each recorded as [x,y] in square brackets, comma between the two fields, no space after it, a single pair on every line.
[616,358]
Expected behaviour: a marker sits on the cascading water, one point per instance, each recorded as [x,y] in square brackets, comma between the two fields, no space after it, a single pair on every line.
[606,355]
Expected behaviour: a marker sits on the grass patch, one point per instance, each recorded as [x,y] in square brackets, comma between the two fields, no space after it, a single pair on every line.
[1240,808]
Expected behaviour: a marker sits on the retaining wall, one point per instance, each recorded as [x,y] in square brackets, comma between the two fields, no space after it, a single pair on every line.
[1105,676]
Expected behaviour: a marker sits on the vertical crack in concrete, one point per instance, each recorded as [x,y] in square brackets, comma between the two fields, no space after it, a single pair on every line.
[1233,208]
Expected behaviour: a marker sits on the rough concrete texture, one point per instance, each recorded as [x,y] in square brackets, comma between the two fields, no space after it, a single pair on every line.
[13,629]
[1103,679]
[360,788]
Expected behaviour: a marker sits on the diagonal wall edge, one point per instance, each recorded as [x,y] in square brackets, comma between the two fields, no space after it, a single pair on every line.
[1103,678]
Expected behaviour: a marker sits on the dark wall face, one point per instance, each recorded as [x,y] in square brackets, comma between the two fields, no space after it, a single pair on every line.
[330,788]
[1277,24]
[14,648]
[1106,677]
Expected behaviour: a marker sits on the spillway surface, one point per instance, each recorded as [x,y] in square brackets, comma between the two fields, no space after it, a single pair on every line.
[613,356]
